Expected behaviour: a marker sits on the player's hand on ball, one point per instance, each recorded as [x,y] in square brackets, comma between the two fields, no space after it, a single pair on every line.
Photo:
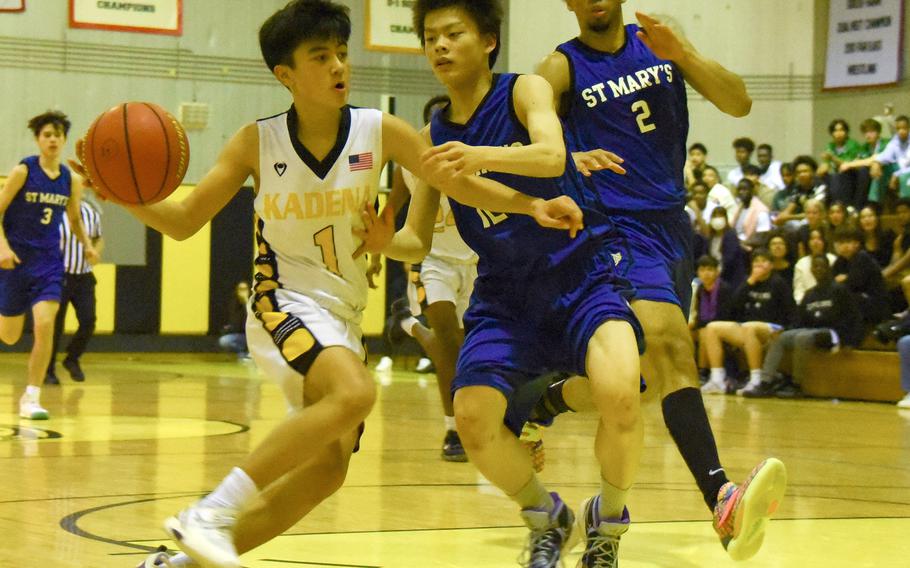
[597,160]
[559,213]
[378,230]
[8,259]
[659,38]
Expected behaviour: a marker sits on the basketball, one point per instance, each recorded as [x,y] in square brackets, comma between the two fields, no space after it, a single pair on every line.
[135,153]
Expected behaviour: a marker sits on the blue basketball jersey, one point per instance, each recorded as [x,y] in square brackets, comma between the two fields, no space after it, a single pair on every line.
[33,217]
[510,246]
[634,104]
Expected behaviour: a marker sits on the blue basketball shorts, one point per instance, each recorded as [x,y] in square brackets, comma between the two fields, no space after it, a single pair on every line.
[654,253]
[38,278]
[517,332]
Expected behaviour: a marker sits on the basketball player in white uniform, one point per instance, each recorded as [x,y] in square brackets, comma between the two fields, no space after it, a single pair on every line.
[314,169]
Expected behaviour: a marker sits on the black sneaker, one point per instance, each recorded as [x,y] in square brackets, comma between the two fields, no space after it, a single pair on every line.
[72,365]
[51,378]
[551,535]
[400,312]
[761,389]
[789,389]
[452,450]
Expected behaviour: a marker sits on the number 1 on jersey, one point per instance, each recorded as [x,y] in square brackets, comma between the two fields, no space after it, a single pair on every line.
[325,240]
[645,110]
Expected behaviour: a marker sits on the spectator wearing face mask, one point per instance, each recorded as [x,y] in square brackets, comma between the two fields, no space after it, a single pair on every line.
[722,244]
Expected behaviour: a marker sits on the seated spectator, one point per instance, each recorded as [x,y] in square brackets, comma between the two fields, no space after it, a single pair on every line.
[805,188]
[710,302]
[860,274]
[838,215]
[803,279]
[698,201]
[874,144]
[722,243]
[764,193]
[742,152]
[877,242]
[233,336]
[897,273]
[718,194]
[751,217]
[846,186]
[893,162]
[782,197]
[769,168]
[816,218]
[781,259]
[760,309]
[695,166]
[826,319]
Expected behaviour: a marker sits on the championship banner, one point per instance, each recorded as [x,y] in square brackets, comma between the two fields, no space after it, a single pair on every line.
[12,5]
[389,26]
[864,43]
[147,16]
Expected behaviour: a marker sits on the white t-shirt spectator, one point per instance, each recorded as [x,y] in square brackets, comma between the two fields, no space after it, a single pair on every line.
[896,152]
[803,281]
[734,176]
[719,196]
[772,177]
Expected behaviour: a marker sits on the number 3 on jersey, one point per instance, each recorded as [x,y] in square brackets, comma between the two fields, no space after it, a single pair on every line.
[325,240]
[48,215]
[643,112]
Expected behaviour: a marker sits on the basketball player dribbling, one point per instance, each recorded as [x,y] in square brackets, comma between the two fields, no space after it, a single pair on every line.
[623,87]
[314,167]
[37,193]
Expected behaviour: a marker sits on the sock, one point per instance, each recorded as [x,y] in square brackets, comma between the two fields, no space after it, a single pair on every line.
[407,324]
[33,391]
[534,496]
[181,560]
[718,375]
[450,424]
[755,376]
[234,492]
[553,399]
[687,421]
[612,500]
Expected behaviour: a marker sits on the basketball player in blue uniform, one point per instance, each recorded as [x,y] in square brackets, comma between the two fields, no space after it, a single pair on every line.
[37,193]
[623,88]
[542,300]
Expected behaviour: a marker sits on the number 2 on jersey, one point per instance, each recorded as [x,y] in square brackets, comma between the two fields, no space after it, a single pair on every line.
[325,240]
[643,108]
[48,215]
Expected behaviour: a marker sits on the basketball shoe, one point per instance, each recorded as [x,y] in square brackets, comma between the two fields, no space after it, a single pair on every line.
[204,533]
[551,535]
[742,512]
[601,536]
[31,409]
[452,450]
[158,559]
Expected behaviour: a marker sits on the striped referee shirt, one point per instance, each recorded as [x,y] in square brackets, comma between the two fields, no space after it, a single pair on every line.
[73,251]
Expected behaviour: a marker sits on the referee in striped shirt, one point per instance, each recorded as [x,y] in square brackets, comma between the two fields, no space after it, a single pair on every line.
[78,289]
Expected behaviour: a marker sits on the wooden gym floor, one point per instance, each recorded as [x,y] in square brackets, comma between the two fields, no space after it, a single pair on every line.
[148,434]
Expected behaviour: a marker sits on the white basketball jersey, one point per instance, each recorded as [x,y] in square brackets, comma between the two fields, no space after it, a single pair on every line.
[447,242]
[306,210]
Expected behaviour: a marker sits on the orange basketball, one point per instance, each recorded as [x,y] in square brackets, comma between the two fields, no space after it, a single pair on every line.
[135,153]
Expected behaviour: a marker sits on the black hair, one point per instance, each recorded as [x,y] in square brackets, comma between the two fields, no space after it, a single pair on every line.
[761,253]
[902,118]
[707,261]
[746,182]
[787,166]
[805,160]
[847,233]
[766,147]
[905,201]
[699,183]
[841,122]
[435,101]
[745,143]
[870,124]
[487,15]
[698,146]
[713,169]
[55,117]
[751,170]
[300,21]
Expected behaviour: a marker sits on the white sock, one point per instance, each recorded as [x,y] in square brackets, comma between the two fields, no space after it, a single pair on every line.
[755,376]
[33,391]
[450,423]
[408,324]
[234,492]
[181,560]
[718,375]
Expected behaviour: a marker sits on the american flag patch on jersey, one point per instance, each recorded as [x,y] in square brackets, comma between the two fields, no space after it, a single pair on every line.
[362,161]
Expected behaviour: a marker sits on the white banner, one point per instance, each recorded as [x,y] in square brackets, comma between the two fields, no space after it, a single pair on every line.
[12,5]
[864,43]
[389,26]
[149,16]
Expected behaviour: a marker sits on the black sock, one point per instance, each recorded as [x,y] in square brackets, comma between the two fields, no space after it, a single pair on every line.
[685,417]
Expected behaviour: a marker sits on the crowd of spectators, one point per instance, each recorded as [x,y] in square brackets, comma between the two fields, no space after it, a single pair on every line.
[794,258]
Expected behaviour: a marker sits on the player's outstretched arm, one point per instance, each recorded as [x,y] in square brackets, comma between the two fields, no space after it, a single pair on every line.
[544,157]
[725,89]
[180,220]
[14,183]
